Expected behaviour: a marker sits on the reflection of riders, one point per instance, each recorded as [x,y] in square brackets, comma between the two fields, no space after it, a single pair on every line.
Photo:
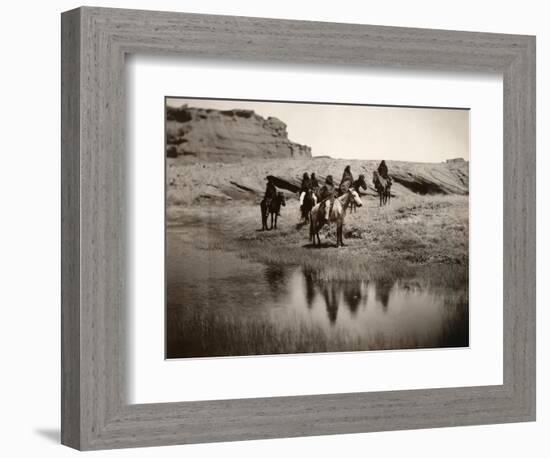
[327,192]
[347,180]
[306,186]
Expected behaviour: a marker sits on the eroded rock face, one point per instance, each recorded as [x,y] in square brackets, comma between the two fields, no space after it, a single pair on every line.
[206,135]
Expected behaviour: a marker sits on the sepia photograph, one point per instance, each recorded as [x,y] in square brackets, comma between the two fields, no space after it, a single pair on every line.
[298,227]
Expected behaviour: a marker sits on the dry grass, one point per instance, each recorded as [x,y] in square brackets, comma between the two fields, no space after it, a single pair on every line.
[197,332]
[424,236]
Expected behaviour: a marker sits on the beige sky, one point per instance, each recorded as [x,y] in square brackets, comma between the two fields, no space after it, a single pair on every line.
[363,132]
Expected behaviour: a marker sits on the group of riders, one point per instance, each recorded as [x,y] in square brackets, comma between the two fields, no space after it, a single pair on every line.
[326,193]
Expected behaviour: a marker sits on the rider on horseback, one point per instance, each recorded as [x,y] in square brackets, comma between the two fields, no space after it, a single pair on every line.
[270,190]
[306,186]
[360,183]
[327,192]
[314,183]
[347,180]
[383,170]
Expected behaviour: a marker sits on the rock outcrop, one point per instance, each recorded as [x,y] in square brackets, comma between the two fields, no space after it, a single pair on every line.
[206,135]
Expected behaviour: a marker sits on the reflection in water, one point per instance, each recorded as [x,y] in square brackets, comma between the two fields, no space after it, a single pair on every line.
[275,277]
[333,293]
[383,290]
[380,313]
[330,293]
[336,294]
[353,295]
[310,288]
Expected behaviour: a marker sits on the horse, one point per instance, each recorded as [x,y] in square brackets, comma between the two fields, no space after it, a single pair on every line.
[272,207]
[359,183]
[317,217]
[309,201]
[383,187]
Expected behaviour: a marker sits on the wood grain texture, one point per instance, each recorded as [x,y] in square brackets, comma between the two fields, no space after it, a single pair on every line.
[95,413]
[70,229]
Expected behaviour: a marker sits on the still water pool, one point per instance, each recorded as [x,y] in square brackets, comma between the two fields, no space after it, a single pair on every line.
[219,304]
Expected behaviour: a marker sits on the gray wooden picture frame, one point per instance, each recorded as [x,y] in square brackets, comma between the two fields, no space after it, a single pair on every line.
[95,411]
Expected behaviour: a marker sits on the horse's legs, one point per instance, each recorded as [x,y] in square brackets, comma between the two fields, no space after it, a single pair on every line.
[315,234]
[339,236]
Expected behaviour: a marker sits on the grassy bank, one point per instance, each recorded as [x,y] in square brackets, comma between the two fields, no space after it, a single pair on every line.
[418,236]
